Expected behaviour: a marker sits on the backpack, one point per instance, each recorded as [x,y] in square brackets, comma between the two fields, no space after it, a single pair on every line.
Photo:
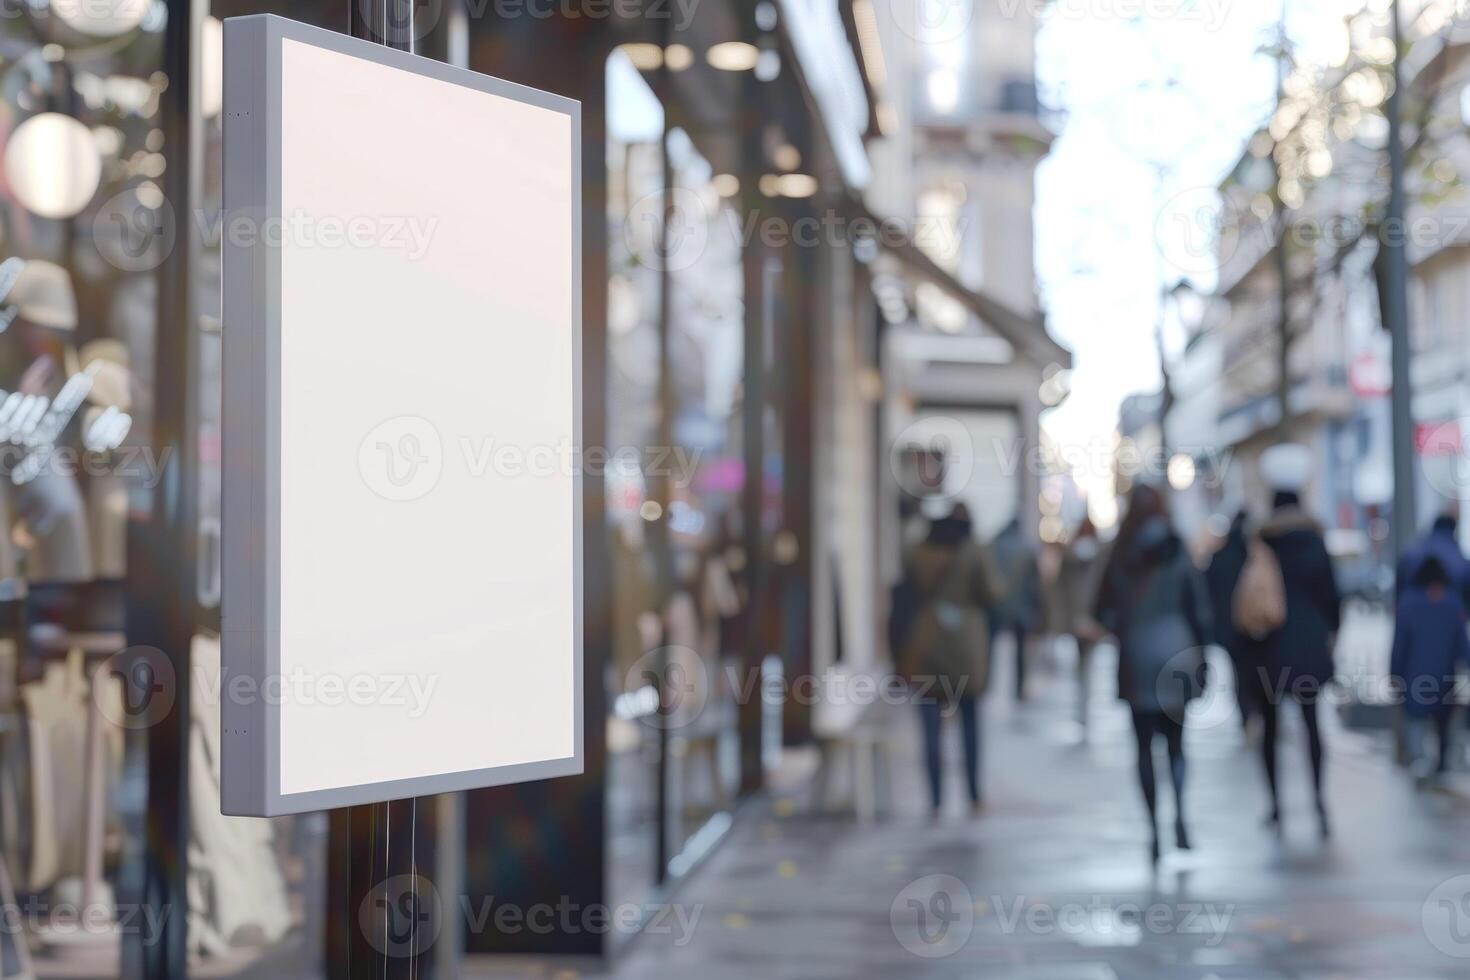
[903,609]
[1259,606]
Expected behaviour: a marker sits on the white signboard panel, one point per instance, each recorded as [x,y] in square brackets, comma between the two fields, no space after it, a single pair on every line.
[402,505]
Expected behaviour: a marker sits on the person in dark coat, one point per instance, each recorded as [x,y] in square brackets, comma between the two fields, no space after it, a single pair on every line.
[1019,612]
[1442,543]
[1154,601]
[1078,579]
[1222,575]
[1296,661]
[1430,643]
[946,652]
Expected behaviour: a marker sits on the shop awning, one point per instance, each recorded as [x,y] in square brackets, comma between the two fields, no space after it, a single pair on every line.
[1025,332]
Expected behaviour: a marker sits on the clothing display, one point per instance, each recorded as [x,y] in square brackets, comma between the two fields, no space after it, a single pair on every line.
[237,894]
[56,709]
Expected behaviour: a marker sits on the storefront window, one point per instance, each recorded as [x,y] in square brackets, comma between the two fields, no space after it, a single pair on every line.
[687,641]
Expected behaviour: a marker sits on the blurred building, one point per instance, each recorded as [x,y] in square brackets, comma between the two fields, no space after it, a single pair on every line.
[968,363]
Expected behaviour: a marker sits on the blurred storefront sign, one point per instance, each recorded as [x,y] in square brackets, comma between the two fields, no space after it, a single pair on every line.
[1439,438]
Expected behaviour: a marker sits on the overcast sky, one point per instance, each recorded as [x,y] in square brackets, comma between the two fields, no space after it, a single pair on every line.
[1175,95]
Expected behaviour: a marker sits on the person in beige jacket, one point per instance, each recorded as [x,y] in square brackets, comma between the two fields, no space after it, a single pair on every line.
[949,584]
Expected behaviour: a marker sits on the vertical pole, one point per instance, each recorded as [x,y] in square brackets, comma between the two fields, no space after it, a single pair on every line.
[659,483]
[1396,307]
[160,586]
[383,878]
[753,414]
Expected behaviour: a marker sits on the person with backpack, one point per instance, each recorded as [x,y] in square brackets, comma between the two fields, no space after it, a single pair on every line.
[941,641]
[1288,606]
[1154,601]
[1222,576]
[1430,644]
[1019,612]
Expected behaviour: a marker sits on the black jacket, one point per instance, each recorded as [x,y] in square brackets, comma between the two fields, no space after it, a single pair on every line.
[1222,575]
[1302,648]
[1155,602]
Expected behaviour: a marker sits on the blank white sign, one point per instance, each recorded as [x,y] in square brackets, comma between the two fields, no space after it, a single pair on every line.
[421,314]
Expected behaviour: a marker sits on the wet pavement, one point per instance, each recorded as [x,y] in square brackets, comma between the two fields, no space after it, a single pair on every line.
[1052,880]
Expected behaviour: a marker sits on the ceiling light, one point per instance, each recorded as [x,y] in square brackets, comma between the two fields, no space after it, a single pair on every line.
[733,56]
[645,57]
[53,165]
[678,57]
[797,185]
[725,185]
[787,157]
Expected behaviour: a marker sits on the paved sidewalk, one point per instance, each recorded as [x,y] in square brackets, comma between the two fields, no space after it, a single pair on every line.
[1053,882]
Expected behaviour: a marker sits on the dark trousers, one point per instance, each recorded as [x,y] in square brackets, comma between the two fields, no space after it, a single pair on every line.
[1269,713]
[1147,726]
[931,713]
[1416,731]
[1018,631]
[1247,687]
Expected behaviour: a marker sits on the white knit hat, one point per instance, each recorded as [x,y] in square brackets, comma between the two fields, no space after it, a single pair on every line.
[1286,467]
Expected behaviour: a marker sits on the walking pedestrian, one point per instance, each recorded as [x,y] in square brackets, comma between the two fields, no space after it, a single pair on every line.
[1293,648]
[941,642]
[1017,614]
[1222,575]
[1430,643]
[1077,584]
[1154,601]
[1442,543]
